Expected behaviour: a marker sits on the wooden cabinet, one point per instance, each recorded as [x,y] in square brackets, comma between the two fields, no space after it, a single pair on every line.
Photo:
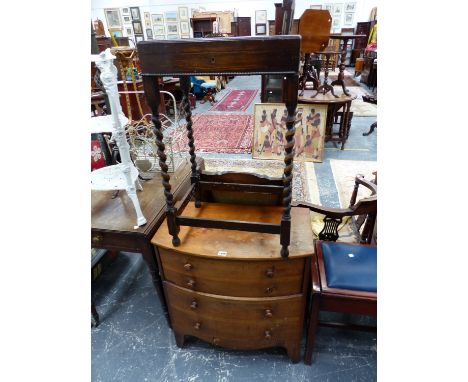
[232,288]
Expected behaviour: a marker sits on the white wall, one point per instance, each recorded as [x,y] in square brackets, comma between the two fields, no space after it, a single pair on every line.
[245,8]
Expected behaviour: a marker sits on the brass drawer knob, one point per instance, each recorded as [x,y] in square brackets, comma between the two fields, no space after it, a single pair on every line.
[191,283]
[194,305]
[269,290]
[96,238]
[188,266]
[267,334]
[215,341]
[268,313]
[197,326]
[270,272]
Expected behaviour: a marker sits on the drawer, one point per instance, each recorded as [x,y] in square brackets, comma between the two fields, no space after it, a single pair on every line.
[237,323]
[239,278]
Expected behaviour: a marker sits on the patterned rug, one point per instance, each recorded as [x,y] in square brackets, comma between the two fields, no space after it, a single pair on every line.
[231,133]
[235,100]
[272,168]
[358,106]
[344,172]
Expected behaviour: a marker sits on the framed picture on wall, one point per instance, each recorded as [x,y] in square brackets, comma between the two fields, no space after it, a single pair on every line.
[348,20]
[318,6]
[172,28]
[159,30]
[329,8]
[270,129]
[116,32]
[113,18]
[160,37]
[129,30]
[261,17]
[260,29]
[336,22]
[158,18]
[337,9]
[149,33]
[171,16]
[127,19]
[350,7]
[172,36]
[139,38]
[183,13]
[147,19]
[184,27]
[125,11]
[135,12]
[137,27]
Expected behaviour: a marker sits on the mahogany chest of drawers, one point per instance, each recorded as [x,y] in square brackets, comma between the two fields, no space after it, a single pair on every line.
[232,288]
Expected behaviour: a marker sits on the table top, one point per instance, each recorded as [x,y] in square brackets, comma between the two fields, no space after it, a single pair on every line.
[119,215]
[207,242]
[325,98]
[346,36]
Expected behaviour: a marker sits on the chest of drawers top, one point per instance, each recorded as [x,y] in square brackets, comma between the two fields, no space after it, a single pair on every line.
[239,245]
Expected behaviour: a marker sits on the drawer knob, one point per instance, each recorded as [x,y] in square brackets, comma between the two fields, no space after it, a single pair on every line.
[197,326]
[268,313]
[188,266]
[270,272]
[215,341]
[191,283]
[267,334]
[269,290]
[96,238]
[194,305]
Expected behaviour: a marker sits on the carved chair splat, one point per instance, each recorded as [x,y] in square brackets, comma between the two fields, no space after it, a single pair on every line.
[183,58]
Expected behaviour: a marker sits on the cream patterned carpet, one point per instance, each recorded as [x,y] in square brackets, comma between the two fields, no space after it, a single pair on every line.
[358,106]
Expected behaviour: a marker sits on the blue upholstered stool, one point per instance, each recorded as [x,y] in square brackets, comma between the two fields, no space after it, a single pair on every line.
[344,279]
[349,266]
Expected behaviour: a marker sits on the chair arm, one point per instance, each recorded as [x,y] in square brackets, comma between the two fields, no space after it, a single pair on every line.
[364,206]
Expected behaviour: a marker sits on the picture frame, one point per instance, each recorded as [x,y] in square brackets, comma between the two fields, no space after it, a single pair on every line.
[129,30]
[149,33]
[329,8]
[336,22]
[172,28]
[116,32]
[337,9]
[260,29]
[113,18]
[159,30]
[184,27]
[171,16]
[172,36]
[350,7]
[139,38]
[270,128]
[316,6]
[135,12]
[157,18]
[137,27]
[160,37]
[127,19]
[349,18]
[147,16]
[261,17]
[125,11]
[183,13]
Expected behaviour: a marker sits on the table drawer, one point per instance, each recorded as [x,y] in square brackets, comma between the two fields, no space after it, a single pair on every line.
[238,323]
[239,278]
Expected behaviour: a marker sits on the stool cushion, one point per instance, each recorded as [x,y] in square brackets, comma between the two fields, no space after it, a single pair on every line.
[352,267]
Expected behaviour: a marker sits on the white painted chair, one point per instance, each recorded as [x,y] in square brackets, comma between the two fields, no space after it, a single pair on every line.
[122,176]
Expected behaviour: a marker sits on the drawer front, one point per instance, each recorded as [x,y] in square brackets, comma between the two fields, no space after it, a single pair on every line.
[243,323]
[122,242]
[233,277]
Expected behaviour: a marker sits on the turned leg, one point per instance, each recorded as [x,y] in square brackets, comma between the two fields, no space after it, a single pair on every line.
[131,192]
[179,339]
[311,331]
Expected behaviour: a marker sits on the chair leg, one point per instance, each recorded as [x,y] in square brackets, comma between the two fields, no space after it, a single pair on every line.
[95,315]
[313,322]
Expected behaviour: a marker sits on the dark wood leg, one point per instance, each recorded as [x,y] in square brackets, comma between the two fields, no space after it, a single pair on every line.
[311,330]
[344,124]
[179,339]
[149,256]
[372,128]
[94,314]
